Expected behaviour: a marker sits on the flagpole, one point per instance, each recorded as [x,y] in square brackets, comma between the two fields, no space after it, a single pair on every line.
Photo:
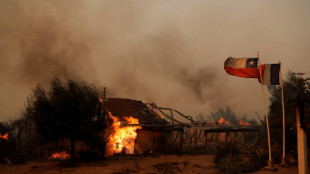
[283,112]
[266,109]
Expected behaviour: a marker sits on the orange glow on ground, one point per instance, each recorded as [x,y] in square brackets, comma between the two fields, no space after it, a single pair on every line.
[59,156]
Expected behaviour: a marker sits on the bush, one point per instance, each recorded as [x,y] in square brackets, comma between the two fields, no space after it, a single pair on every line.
[229,158]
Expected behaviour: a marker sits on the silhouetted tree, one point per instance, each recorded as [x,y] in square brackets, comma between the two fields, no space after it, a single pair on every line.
[293,84]
[4,128]
[200,117]
[227,114]
[71,110]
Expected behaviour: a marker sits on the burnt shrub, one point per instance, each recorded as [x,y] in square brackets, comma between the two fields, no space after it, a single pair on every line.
[229,158]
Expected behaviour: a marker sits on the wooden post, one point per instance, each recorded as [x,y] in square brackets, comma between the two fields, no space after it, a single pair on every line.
[104,93]
[301,140]
[226,136]
[206,139]
[172,116]
[181,137]
[199,136]
[195,136]
[175,138]
[283,161]
[266,110]
[172,122]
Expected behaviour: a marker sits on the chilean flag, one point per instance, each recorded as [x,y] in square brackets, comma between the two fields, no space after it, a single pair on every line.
[270,73]
[242,67]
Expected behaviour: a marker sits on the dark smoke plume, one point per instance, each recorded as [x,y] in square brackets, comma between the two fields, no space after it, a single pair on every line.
[164,59]
[48,53]
[45,45]
[101,43]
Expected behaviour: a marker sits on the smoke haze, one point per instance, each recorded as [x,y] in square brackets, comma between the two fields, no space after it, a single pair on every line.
[168,52]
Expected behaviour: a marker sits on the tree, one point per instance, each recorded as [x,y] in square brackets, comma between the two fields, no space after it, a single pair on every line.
[227,114]
[200,117]
[293,84]
[71,110]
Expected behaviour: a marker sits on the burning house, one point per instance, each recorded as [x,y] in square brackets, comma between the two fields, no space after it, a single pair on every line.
[147,128]
[136,128]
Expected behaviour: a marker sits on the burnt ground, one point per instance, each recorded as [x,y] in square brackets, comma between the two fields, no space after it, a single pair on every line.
[164,164]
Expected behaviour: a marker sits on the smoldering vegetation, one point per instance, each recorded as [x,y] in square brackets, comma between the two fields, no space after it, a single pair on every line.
[68,39]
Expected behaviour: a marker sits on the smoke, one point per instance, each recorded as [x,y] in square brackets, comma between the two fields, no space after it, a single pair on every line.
[137,50]
[49,53]
[39,41]
[159,68]
[44,45]
[198,81]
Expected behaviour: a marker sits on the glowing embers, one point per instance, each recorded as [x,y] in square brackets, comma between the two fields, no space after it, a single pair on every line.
[59,156]
[244,123]
[5,136]
[122,140]
[222,121]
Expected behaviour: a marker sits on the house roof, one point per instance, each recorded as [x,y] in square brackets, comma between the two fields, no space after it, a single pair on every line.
[122,107]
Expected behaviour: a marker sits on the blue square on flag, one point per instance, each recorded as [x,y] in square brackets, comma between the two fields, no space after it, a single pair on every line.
[251,62]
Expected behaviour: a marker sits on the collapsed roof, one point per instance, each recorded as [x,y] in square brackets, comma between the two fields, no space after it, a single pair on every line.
[121,107]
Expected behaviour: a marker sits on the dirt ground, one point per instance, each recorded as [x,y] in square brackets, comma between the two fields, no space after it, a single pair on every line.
[167,164]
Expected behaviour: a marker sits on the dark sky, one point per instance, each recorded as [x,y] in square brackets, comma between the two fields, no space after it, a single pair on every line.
[168,52]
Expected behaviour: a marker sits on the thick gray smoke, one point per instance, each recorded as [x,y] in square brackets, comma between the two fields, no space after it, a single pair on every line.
[103,43]
[49,53]
[44,45]
[159,69]
[168,52]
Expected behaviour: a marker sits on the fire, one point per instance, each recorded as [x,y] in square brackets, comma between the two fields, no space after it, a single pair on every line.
[59,156]
[100,99]
[123,138]
[5,136]
[244,123]
[221,120]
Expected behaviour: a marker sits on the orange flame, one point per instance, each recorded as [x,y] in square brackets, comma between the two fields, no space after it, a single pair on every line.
[59,156]
[221,120]
[244,123]
[100,99]
[5,136]
[123,138]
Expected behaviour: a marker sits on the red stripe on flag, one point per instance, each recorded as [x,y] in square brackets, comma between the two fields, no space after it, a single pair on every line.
[244,72]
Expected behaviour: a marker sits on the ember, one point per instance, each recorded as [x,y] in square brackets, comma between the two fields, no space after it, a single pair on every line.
[100,99]
[222,121]
[244,123]
[59,156]
[123,138]
[5,136]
